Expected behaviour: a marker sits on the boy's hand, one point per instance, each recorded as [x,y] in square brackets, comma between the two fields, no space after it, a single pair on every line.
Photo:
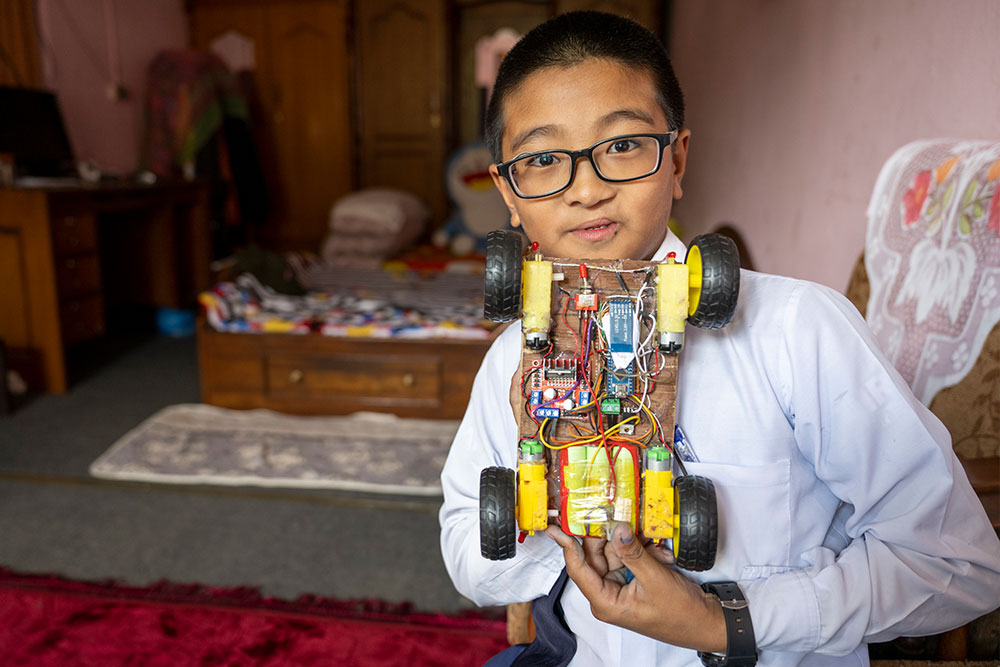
[659,602]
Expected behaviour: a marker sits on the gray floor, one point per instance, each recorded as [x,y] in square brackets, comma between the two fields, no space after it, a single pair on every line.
[54,518]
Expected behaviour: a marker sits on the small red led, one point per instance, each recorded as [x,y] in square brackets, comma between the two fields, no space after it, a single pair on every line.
[671,255]
[534,246]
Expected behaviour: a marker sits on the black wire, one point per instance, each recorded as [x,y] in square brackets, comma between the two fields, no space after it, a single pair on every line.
[551,430]
[649,276]
[527,381]
[624,286]
[576,429]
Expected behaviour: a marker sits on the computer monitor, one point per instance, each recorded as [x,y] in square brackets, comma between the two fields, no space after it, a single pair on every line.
[32,129]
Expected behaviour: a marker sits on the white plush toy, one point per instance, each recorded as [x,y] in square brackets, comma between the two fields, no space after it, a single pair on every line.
[479,208]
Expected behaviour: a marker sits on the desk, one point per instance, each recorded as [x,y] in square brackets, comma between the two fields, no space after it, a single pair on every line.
[68,252]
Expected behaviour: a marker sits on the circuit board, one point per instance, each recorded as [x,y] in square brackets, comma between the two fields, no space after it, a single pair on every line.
[594,370]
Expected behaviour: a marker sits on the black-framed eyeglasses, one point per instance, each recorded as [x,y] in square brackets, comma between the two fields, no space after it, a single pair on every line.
[616,160]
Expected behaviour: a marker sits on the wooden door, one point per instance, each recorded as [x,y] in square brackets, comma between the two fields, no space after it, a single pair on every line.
[401,94]
[473,20]
[19,56]
[302,76]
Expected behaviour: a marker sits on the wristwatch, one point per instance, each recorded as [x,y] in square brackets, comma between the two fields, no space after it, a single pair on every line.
[741,647]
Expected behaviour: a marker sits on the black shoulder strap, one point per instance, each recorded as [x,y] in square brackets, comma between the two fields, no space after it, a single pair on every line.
[554,644]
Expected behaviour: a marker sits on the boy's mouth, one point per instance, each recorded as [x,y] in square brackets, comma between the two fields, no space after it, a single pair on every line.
[596,230]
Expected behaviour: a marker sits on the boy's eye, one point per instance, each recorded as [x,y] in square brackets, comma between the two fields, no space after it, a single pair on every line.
[622,145]
[543,160]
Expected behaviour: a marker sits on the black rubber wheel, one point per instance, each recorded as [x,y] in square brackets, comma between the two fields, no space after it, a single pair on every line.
[720,281]
[497,530]
[502,291]
[696,534]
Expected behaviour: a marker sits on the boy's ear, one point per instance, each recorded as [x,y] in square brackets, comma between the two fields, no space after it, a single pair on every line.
[679,152]
[508,196]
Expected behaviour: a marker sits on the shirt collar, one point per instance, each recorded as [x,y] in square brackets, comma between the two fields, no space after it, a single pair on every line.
[670,244]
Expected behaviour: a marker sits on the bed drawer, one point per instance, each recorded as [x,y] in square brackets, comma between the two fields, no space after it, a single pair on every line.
[411,380]
[323,375]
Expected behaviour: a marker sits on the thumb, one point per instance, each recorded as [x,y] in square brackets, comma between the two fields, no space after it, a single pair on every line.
[630,550]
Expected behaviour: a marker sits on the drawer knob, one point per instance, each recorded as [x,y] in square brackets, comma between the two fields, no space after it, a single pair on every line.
[296,376]
[409,380]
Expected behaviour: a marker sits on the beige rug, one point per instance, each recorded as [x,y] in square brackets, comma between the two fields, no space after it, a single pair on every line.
[202,444]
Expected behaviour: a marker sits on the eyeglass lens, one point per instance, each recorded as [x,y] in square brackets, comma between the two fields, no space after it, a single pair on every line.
[617,159]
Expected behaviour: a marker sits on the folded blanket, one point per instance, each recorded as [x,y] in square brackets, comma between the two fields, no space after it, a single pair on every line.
[373,223]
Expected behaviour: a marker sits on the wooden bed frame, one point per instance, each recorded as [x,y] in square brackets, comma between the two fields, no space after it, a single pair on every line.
[325,375]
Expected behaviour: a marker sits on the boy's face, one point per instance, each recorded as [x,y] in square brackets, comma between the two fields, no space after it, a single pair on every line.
[573,108]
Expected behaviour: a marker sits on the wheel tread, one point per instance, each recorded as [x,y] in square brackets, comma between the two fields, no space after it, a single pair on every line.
[502,281]
[699,523]
[720,286]
[497,530]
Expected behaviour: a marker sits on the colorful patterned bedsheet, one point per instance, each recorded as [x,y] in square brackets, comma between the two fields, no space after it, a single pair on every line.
[354,303]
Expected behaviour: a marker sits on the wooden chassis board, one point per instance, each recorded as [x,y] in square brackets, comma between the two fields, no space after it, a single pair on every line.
[603,280]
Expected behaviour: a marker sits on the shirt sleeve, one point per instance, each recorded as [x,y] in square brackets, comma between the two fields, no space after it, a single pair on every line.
[487,437]
[920,556]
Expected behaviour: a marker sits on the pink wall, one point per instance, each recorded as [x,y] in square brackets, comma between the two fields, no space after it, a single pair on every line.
[79,63]
[794,105]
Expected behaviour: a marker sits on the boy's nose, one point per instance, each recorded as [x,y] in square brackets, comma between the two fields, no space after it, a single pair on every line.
[587,187]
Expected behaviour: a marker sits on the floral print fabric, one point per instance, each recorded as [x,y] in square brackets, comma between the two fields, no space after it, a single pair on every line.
[932,255]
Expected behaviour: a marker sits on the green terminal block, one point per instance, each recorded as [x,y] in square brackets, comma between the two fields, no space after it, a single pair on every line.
[531,447]
[611,406]
[658,454]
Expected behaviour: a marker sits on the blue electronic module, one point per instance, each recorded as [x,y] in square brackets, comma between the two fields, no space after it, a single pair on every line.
[620,338]
[621,384]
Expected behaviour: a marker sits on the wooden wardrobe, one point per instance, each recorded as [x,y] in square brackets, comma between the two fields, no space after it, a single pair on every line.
[364,93]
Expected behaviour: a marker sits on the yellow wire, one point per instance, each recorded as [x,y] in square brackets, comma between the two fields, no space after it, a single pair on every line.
[586,441]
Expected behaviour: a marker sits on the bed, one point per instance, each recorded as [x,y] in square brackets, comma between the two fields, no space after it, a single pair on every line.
[394,341]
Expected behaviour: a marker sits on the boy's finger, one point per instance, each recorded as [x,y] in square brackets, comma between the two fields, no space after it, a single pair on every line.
[593,551]
[589,582]
[631,551]
[561,538]
[662,554]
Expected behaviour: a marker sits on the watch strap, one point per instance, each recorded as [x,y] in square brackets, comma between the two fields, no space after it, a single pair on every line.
[741,646]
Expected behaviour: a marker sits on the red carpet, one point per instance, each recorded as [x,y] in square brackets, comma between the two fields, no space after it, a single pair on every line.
[49,621]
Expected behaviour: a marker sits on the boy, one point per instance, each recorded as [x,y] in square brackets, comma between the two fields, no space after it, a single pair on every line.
[844,516]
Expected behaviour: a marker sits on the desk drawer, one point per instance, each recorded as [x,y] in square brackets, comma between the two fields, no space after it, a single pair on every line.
[74,233]
[78,275]
[405,379]
[82,318]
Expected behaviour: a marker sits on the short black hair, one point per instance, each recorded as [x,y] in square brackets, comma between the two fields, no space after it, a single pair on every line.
[572,38]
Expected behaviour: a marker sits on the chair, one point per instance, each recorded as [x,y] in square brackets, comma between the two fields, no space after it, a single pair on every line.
[928,284]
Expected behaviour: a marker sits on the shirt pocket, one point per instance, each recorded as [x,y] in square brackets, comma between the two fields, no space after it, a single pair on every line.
[754,504]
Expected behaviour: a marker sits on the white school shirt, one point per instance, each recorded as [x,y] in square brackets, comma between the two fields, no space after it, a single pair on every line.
[843,513]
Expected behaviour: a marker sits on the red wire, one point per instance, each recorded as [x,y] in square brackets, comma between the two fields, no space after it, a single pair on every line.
[600,423]
[579,348]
